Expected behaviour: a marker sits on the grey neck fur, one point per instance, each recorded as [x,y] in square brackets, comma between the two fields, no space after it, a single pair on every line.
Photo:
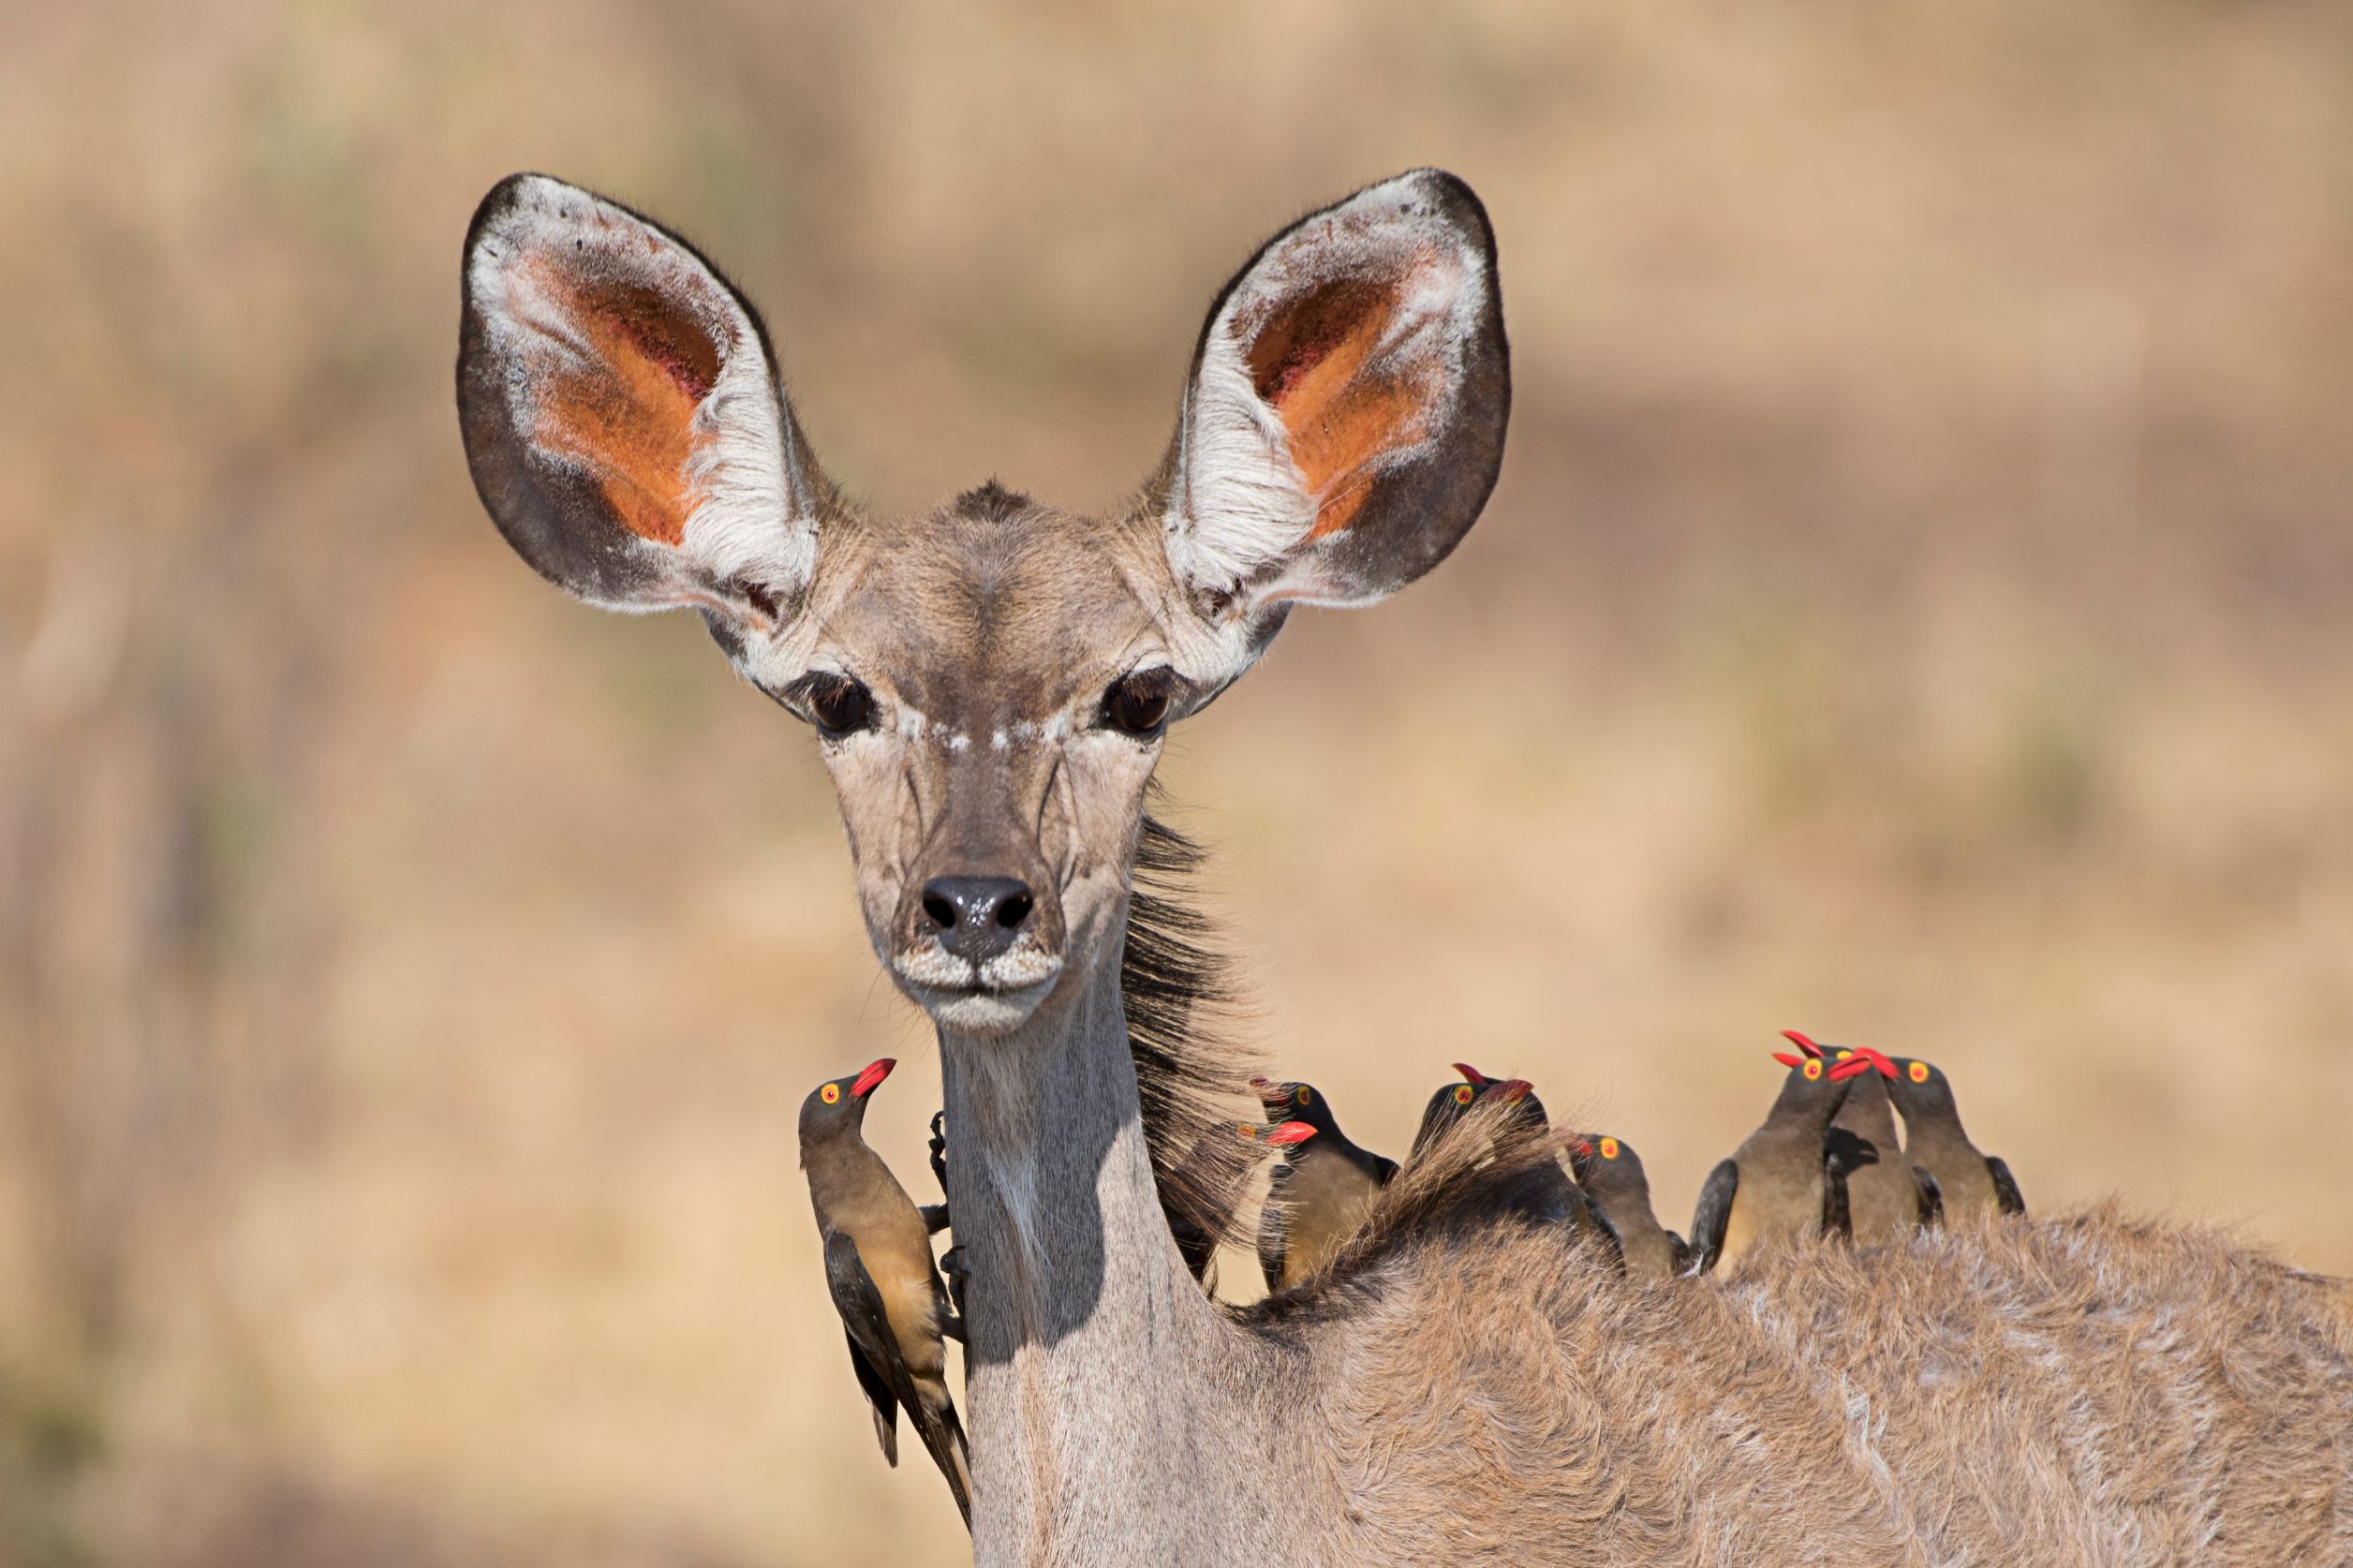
[1088,1338]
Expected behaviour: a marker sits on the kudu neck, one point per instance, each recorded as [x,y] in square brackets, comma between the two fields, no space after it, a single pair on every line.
[1093,1355]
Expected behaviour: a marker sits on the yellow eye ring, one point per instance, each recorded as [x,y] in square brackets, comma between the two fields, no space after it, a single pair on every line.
[830,1093]
[1462,1094]
[1245,1130]
[1843,1053]
[1813,1067]
[1610,1148]
[1304,1094]
[1918,1072]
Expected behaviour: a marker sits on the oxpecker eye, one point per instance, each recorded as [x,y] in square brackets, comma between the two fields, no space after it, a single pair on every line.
[1137,704]
[1813,1067]
[1918,1072]
[1610,1148]
[1304,1094]
[830,1094]
[838,704]
[1462,1094]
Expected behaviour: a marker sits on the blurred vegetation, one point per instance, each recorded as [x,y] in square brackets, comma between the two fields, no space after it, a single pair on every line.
[1919,607]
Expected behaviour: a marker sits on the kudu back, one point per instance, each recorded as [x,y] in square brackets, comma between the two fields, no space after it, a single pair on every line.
[991,683]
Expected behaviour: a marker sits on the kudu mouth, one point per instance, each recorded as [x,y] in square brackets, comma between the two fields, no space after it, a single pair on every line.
[979,954]
[978,996]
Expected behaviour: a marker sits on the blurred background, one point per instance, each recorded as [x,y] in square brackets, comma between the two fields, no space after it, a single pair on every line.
[1917,608]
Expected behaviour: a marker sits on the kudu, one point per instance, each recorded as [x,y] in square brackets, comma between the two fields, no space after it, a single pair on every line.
[990,684]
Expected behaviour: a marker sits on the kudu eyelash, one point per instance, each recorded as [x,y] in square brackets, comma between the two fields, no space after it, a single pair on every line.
[1139,703]
[835,704]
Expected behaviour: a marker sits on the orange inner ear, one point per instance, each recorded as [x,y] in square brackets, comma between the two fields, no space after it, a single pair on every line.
[1308,363]
[629,410]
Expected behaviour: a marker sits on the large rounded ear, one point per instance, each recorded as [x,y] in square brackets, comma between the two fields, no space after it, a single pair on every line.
[1345,418]
[622,416]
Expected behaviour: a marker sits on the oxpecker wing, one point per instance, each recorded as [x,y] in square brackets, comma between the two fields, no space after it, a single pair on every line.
[2004,1185]
[1712,1216]
[1932,1198]
[1844,1152]
[868,1328]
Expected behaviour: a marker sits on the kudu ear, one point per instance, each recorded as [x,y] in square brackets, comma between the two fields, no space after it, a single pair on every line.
[1345,418]
[622,416]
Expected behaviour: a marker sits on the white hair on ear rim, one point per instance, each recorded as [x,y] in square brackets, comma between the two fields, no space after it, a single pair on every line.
[745,518]
[1240,502]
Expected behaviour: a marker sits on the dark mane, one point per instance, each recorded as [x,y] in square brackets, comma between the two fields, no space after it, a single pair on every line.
[1176,989]
[1480,1173]
[991,502]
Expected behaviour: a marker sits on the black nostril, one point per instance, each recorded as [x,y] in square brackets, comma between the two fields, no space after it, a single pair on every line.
[977,917]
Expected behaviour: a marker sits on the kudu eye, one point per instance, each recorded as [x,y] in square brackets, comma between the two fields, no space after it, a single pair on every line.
[1137,704]
[838,704]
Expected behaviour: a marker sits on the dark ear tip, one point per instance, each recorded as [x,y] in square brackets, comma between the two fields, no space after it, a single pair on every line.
[1454,200]
[504,198]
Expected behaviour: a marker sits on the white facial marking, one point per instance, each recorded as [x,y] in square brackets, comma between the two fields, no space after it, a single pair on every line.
[1020,968]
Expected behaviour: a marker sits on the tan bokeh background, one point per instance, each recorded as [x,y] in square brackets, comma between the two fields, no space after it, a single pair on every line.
[1919,608]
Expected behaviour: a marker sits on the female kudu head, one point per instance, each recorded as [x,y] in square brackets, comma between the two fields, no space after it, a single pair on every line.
[990,682]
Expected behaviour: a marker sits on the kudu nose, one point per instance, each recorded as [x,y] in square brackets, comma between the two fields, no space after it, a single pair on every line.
[977,917]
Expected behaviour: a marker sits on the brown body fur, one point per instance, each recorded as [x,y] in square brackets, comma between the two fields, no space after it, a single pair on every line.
[2084,1388]
[2078,1389]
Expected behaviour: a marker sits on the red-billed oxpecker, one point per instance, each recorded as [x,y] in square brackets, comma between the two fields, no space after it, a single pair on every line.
[1611,1175]
[1197,1245]
[1785,1179]
[1551,1194]
[878,1265]
[1974,1185]
[1320,1193]
[1887,1197]
[1452,1102]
